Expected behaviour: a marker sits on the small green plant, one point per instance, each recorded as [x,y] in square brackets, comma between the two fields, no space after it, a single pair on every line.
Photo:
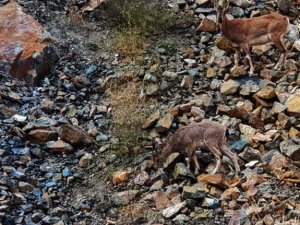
[135,21]
[141,15]
[170,45]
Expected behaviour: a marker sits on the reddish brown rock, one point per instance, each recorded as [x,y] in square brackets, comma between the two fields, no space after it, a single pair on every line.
[120,177]
[151,120]
[253,179]
[218,180]
[42,136]
[59,146]
[75,135]
[24,46]
[161,200]
[222,43]
[207,25]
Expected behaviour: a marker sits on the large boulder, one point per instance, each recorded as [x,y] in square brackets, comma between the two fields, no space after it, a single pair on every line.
[25,50]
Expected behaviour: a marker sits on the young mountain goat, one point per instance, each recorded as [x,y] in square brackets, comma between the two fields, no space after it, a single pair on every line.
[207,134]
[246,32]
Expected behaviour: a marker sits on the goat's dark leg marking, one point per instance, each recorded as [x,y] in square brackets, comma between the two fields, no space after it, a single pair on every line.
[218,155]
[233,157]
[197,166]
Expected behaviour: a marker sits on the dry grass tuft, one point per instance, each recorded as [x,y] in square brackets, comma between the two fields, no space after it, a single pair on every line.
[129,112]
[135,21]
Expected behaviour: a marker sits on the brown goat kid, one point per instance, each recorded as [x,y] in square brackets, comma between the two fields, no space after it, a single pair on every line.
[207,134]
[247,32]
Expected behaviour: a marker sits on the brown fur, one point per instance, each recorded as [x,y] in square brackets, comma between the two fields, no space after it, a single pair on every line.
[207,134]
[243,33]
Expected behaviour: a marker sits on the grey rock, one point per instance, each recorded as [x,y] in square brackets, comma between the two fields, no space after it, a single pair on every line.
[182,171]
[173,210]
[192,192]
[124,197]
[291,149]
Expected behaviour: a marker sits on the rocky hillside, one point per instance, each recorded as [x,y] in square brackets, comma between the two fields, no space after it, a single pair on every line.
[84,102]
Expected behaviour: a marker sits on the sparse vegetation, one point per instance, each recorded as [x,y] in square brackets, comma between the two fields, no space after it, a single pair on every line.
[135,20]
[129,113]
[170,45]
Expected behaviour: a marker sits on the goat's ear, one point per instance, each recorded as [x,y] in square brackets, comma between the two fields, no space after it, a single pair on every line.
[215,2]
[226,5]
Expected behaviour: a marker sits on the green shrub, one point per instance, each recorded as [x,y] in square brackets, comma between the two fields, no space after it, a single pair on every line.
[142,16]
[135,21]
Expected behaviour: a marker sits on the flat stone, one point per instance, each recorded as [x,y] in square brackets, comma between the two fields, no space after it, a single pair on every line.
[250,154]
[293,104]
[182,171]
[207,25]
[291,149]
[181,219]
[59,146]
[268,220]
[75,135]
[294,133]
[47,105]
[7,112]
[158,185]
[222,43]
[201,2]
[25,187]
[210,73]
[249,88]
[25,50]
[170,75]
[229,87]
[218,180]
[204,10]
[278,108]
[223,61]
[231,194]
[173,210]
[253,179]
[192,192]
[266,92]
[242,3]
[164,123]
[171,159]
[181,3]
[124,197]
[141,178]
[210,203]
[85,160]
[120,177]
[152,120]
[187,82]
[197,112]
[278,161]
[247,131]
[41,136]
[161,200]
[238,71]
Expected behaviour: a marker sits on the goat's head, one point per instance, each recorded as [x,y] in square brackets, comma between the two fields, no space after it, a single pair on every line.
[221,9]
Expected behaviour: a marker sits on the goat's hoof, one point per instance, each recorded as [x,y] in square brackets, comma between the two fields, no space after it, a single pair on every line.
[196,172]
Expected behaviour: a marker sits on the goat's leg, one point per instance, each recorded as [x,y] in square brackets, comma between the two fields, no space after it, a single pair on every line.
[189,151]
[237,56]
[218,155]
[197,166]
[188,162]
[248,56]
[232,156]
[281,62]
[282,49]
